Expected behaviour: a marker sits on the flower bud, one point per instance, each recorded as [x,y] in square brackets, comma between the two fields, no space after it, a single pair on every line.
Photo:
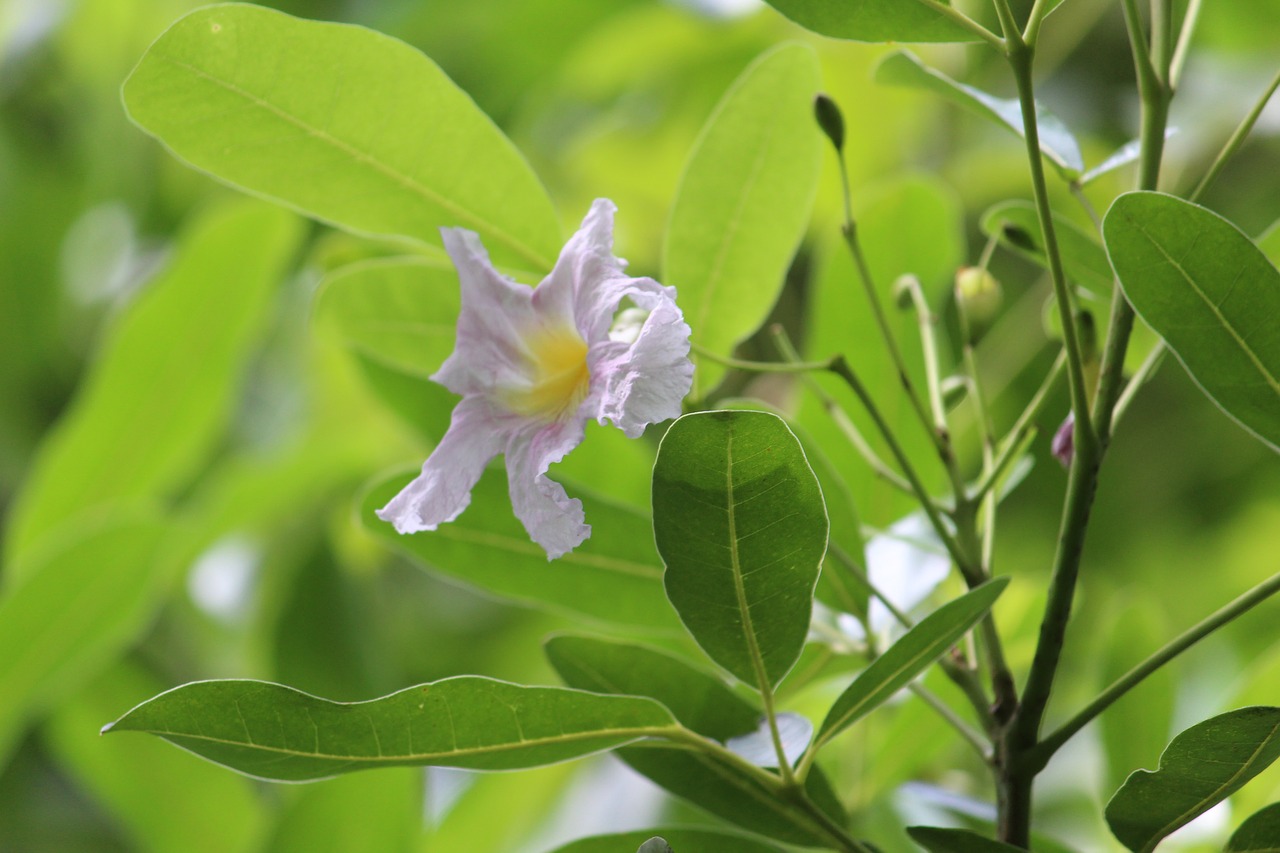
[978,294]
[1063,446]
[830,120]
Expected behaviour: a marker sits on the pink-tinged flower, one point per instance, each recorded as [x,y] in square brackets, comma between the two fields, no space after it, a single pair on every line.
[533,364]
[1063,446]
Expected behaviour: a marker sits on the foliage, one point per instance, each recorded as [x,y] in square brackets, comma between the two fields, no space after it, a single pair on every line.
[848,601]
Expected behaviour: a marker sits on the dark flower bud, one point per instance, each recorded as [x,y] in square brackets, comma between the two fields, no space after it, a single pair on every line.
[830,120]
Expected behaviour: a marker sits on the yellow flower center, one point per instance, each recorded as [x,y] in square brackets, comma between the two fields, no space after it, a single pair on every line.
[558,374]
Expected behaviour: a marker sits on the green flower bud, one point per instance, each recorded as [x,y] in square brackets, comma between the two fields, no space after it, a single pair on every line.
[830,120]
[979,295]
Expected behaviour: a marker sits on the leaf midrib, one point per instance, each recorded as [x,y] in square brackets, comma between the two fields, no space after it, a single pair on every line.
[626,734]
[464,216]
[1222,319]
[1214,796]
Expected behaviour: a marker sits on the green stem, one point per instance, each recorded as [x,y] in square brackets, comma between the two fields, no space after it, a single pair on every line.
[788,792]
[1021,738]
[1184,42]
[941,441]
[1237,139]
[841,418]
[958,17]
[1020,60]
[1003,688]
[967,733]
[1021,428]
[761,366]
[1140,377]
[1040,756]
[1031,33]
[927,320]
[971,574]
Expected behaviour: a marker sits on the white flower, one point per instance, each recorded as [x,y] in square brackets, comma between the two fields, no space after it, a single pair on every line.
[532,365]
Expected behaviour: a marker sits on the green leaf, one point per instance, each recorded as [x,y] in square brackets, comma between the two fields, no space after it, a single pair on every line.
[401,312]
[911,655]
[873,20]
[703,703]
[1260,833]
[161,800]
[903,68]
[938,840]
[1201,767]
[341,123]
[275,732]
[1017,226]
[80,604]
[160,393]
[613,578]
[740,524]
[743,203]
[1210,293]
[680,840]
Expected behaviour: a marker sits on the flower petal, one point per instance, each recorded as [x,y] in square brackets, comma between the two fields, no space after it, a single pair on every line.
[443,489]
[645,382]
[551,518]
[495,317]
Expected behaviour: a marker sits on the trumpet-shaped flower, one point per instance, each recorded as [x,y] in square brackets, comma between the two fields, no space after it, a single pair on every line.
[532,365]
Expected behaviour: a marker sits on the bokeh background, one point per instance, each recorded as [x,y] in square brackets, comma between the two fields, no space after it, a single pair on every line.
[605,98]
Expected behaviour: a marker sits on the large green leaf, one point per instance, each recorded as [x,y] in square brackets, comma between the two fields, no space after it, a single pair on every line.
[1201,767]
[163,384]
[743,203]
[1260,833]
[703,703]
[1210,293]
[680,840]
[401,312]
[938,840]
[911,655]
[903,68]
[699,700]
[275,732]
[873,20]
[741,526]
[614,577]
[76,609]
[1017,226]
[160,799]
[342,123]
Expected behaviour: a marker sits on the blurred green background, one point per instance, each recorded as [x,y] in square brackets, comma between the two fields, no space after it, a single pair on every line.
[270,576]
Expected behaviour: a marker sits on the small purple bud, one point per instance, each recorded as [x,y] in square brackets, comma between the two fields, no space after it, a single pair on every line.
[1063,445]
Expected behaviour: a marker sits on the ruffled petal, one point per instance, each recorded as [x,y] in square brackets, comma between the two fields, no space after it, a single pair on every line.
[495,318]
[443,489]
[581,285]
[551,518]
[645,382]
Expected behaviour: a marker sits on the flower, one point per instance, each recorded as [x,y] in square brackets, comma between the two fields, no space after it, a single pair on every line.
[532,365]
